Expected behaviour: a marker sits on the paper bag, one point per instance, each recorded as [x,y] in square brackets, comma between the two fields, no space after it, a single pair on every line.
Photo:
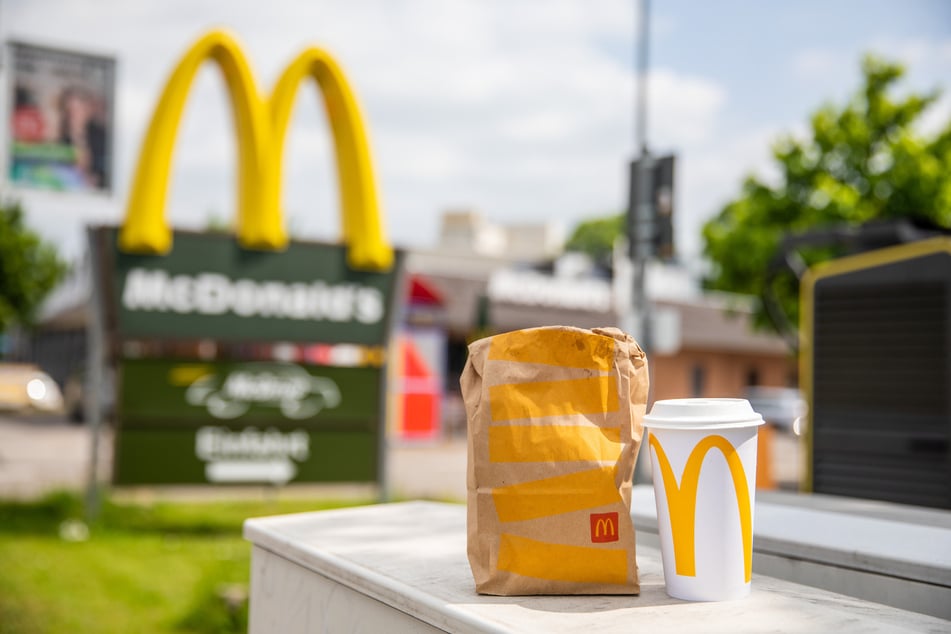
[555,419]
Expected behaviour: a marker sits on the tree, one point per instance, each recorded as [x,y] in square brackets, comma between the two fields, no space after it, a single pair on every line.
[216,223]
[861,162]
[596,237]
[29,268]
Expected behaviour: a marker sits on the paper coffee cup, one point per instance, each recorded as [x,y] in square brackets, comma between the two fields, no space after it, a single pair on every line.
[703,458]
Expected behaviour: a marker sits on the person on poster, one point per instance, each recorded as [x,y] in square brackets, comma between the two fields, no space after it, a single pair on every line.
[82,126]
[28,124]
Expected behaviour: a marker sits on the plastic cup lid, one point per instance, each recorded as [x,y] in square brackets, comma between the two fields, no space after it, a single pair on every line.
[702,413]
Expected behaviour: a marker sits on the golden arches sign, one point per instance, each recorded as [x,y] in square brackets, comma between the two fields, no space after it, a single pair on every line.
[261,126]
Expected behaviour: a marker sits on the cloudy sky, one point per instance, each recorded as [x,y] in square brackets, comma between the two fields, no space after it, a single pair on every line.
[521,109]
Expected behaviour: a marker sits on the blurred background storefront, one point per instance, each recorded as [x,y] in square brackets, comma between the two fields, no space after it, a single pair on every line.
[483,278]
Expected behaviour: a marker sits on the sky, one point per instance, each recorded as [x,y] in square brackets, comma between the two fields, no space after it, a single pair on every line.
[522,110]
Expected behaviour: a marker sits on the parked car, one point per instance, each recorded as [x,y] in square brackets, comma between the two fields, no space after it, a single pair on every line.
[784,407]
[24,388]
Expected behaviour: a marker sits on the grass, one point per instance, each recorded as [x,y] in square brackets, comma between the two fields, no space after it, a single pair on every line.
[163,567]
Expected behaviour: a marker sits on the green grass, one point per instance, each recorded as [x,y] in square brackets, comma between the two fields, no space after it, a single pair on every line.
[161,567]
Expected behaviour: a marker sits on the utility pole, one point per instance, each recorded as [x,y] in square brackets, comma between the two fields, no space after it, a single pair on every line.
[641,215]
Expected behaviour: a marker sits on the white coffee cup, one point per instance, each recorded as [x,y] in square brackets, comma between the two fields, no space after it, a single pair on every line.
[703,457]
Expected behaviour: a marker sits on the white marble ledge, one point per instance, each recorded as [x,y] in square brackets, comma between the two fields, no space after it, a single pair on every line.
[893,547]
[412,557]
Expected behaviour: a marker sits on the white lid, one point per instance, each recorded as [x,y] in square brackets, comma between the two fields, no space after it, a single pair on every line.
[702,413]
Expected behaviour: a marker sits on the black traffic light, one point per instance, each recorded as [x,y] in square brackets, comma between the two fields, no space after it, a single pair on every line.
[653,231]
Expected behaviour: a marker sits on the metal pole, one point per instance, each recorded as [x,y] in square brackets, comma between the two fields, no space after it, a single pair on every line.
[641,52]
[397,318]
[643,211]
[94,371]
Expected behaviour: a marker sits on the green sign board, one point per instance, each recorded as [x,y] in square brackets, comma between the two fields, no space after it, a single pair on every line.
[164,393]
[208,286]
[242,416]
[225,454]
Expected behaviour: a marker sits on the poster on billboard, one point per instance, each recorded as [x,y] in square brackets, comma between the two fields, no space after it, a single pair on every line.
[61,119]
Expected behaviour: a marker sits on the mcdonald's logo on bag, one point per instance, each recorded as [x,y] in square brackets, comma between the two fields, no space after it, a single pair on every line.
[261,125]
[604,527]
[682,501]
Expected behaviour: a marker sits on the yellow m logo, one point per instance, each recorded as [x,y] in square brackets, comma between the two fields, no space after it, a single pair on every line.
[604,527]
[261,126]
[682,501]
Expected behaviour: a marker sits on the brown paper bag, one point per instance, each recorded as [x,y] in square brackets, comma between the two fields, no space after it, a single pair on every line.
[554,426]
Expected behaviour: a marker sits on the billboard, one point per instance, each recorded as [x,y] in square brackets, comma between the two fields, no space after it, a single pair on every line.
[257,359]
[61,119]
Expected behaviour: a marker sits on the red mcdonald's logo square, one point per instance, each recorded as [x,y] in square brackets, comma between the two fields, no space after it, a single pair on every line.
[604,527]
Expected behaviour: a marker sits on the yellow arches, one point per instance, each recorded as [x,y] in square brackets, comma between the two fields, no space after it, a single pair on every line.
[261,127]
[682,501]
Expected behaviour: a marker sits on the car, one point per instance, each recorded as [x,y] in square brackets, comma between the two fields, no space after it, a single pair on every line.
[24,388]
[783,407]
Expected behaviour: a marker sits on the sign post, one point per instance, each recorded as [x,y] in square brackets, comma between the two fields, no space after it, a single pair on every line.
[95,358]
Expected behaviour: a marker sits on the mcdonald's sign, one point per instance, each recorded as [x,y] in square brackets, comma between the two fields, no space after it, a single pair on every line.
[261,126]
[186,285]
[681,500]
[245,410]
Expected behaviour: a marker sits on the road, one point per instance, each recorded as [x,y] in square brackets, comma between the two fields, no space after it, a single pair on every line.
[43,454]
[39,454]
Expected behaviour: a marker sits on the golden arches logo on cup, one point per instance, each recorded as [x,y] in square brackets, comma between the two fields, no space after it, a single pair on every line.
[703,457]
[682,501]
[261,126]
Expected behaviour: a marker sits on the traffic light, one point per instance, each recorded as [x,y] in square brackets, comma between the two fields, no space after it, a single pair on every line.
[651,232]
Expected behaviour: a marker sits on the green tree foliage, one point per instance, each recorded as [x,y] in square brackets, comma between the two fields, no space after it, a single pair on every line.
[216,223]
[864,161]
[29,268]
[596,237]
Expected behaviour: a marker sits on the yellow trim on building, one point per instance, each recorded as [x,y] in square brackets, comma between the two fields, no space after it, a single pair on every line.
[841,266]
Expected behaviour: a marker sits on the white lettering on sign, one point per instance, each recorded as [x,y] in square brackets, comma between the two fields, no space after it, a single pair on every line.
[216,294]
[531,288]
[220,443]
[288,387]
[251,455]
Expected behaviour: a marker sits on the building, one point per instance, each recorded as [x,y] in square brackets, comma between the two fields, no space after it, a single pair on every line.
[704,343]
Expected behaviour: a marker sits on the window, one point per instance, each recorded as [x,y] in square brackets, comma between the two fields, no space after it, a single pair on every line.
[752,377]
[697,380]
